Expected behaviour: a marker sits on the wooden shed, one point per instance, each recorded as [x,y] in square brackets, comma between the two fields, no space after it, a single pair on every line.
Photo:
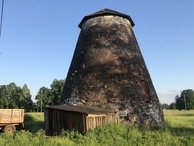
[76,118]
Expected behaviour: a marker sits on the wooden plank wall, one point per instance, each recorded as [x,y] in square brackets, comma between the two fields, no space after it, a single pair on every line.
[56,120]
[92,121]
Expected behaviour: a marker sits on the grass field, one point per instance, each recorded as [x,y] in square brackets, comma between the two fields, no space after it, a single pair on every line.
[34,121]
[178,132]
[180,123]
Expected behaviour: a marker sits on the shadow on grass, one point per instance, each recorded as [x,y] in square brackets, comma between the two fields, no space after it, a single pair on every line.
[180,131]
[31,124]
[188,115]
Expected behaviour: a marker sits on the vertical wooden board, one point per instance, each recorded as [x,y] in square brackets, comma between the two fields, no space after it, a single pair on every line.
[84,119]
[88,122]
[63,120]
[47,121]
[69,121]
[57,120]
[75,120]
[51,121]
[66,120]
[103,120]
[78,124]
[79,121]
[54,121]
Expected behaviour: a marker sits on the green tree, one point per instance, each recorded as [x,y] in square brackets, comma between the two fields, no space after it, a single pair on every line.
[179,102]
[56,89]
[4,103]
[14,95]
[52,96]
[43,98]
[186,100]
[165,106]
[173,105]
[27,101]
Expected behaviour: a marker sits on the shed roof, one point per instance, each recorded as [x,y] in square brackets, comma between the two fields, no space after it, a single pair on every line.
[79,109]
[106,12]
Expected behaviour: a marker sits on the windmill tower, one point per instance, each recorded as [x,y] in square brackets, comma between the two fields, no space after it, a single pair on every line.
[108,70]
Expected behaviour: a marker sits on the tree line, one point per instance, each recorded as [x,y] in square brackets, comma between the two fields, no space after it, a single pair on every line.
[13,96]
[184,101]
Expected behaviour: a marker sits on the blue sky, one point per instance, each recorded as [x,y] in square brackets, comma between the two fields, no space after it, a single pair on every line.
[39,37]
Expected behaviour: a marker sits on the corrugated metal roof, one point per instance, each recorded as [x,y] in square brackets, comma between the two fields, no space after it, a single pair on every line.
[105,12]
[79,109]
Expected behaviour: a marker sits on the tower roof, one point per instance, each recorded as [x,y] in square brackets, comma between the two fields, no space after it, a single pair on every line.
[103,13]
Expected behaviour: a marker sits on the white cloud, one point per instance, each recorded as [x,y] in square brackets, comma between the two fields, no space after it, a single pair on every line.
[167,96]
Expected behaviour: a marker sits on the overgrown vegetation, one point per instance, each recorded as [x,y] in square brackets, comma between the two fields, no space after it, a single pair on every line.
[179,131]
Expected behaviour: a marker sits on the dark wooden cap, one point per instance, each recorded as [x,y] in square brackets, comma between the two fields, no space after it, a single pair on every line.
[103,13]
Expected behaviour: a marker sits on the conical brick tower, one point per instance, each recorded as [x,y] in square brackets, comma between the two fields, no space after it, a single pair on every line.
[108,70]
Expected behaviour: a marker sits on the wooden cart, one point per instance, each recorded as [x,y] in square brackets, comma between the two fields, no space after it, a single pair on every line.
[10,119]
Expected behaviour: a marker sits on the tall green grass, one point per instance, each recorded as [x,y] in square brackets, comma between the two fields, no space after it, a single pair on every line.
[180,123]
[179,132]
[182,118]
